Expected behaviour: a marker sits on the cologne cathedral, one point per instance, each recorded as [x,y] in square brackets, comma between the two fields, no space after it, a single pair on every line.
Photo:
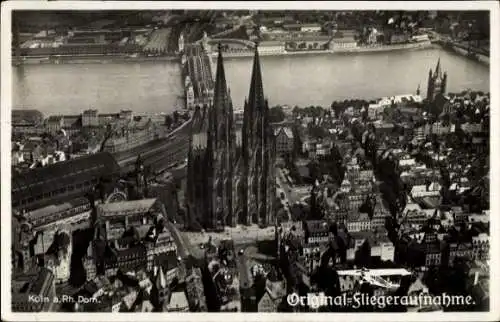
[231,170]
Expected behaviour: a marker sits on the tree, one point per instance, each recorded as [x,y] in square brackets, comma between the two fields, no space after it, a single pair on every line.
[168,121]
[314,170]
[362,257]
[176,116]
[276,114]
[297,142]
[317,131]
[281,215]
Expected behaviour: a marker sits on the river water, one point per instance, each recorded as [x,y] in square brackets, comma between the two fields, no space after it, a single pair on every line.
[292,80]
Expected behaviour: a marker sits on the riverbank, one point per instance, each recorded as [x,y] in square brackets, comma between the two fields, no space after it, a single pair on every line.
[106,59]
[364,49]
[98,59]
[159,87]
[480,58]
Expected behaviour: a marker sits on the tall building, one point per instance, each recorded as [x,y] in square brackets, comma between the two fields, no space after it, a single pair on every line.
[230,171]
[436,83]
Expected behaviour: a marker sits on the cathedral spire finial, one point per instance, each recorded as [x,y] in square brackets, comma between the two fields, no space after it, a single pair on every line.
[437,73]
[220,91]
[256,94]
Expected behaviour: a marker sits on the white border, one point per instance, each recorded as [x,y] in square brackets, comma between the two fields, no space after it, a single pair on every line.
[6,90]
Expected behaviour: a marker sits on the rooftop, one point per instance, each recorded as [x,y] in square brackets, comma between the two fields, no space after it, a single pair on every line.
[357,217]
[60,175]
[300,25]
[288,132]
[178,300]
[134,206]
[53,209]
[26,115]
[364,235]
[269,43]
[316,226]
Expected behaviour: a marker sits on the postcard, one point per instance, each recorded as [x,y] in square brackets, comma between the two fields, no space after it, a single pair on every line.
[249,160]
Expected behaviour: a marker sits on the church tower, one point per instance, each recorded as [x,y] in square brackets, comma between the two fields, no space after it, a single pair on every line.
[211,159]
[197,170]
[140,178]
[221,147]
[161,286]
[258,152]
[436,82]
[231,174]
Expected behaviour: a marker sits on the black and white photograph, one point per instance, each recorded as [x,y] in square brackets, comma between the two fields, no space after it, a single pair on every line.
[249,157]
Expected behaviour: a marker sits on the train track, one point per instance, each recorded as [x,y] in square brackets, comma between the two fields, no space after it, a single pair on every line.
[159,151]
[161,158]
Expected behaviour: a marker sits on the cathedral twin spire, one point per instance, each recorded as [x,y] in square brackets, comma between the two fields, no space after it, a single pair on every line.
[256,93]
[229,182]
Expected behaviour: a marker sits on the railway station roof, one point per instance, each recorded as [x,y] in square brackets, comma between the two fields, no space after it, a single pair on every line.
[59,175]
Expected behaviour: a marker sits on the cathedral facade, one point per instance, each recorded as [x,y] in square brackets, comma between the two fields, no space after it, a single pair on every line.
[231,170]
[436,83]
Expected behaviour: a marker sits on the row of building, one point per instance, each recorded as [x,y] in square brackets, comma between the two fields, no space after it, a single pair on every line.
[98,42]
[23,124]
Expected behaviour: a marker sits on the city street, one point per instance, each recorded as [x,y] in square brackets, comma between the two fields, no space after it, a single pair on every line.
[184,247]
[293,194]
[284,187]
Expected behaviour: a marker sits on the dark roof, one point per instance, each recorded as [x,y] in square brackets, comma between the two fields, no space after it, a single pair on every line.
[299,25]
[61,242]
[123,208]
[59,175]
[72,121]
[432,248]
[34,116]
[54,118]
[167,261]
[317,226]
[41,213]
[303,171]
[117,254]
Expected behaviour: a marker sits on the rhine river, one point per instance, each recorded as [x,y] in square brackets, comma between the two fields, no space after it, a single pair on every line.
[288,80]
